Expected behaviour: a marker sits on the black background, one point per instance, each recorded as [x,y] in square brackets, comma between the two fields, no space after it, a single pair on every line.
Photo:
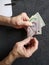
[8,35]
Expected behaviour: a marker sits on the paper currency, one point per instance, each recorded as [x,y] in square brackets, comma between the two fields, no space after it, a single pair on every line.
[37,24]
[34,19]
[40,19]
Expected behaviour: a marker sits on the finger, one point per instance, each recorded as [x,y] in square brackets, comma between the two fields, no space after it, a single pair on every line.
[36,42]
[25,16]
[26,41]
[35,47]
[27,23]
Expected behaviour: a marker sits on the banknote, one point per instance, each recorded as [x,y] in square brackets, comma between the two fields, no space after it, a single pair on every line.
[37,24]
[35,20]
[30,32]
[42,23]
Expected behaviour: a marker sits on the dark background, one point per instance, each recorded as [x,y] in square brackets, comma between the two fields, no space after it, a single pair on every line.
[8,35]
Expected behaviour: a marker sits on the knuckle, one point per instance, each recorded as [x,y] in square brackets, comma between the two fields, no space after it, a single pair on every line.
[27,56]
[24,13]
[17,44]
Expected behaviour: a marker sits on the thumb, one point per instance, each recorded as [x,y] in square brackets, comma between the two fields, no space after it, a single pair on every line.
[27,23]
[26,41]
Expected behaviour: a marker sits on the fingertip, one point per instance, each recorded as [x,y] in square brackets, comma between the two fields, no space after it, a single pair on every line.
[36,40]
[30,23]
[27,23]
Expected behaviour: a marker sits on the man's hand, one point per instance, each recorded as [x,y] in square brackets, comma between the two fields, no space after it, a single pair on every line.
[25,48]
[20,21]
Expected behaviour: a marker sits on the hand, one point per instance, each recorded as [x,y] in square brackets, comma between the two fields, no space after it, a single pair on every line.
[20,21]
[25,48]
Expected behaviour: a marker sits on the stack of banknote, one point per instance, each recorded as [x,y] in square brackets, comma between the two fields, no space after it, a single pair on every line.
[37,25]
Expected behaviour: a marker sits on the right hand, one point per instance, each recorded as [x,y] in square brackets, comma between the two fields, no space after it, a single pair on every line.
[25,48]
[20,21]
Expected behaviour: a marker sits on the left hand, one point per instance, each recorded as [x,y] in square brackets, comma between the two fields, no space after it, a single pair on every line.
[20,21]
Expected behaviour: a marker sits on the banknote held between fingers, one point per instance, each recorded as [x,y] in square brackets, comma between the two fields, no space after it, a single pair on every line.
[20,21]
